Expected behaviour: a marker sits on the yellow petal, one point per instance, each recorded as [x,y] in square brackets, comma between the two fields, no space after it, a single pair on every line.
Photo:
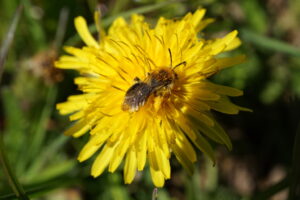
[183,159]
[216,133]
[88,150]
[224,106]
[76,116]
[141,152]
[220,89]
[206,95]
[200,115]
[204,23]
[183,143]
[202,144]
[236,42]
[197,17]
[163,163]
[222,134]
[102,160]
[83,31]
[221,44]
[74,103]
[152,160]
[130,166]
[78,129]
[157,177]
[118,155]
[222,63]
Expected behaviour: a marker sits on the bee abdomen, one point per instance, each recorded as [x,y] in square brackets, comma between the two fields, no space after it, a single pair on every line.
[136,96]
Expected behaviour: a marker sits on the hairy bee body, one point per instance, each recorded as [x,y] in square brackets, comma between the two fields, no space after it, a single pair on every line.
[156,83]
[136,96]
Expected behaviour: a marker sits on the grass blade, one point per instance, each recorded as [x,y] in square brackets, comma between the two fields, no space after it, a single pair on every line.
[15,185]
[42,187]
[8,39]
[47,153]
[61,28]
[269,43]
[38,139]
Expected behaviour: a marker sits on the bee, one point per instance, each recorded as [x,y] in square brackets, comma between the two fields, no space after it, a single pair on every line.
[156,83]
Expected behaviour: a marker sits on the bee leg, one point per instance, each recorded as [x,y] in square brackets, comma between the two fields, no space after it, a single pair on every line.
[176,76]
[137,80]
[158,93]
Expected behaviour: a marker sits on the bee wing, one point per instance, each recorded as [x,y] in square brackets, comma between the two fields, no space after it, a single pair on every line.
[136,96]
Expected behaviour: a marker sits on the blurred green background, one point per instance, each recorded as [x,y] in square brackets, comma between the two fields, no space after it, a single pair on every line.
[264,163]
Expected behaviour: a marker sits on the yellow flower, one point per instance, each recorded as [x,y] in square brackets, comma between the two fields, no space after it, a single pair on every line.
[145,94]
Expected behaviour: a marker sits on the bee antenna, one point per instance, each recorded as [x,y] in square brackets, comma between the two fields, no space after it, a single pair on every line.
[182,63]
[170,56]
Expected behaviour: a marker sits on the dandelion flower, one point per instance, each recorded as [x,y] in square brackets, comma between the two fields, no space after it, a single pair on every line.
[145,94]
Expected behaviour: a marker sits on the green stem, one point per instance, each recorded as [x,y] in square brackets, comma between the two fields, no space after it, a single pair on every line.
[13,182]
[155,194]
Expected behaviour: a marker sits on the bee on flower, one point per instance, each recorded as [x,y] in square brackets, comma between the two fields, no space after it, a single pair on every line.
[146,96]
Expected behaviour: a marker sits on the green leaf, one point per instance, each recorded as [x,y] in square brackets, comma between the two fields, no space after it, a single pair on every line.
[39,135]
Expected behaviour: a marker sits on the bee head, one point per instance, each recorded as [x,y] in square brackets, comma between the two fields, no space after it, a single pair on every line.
[163,77]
